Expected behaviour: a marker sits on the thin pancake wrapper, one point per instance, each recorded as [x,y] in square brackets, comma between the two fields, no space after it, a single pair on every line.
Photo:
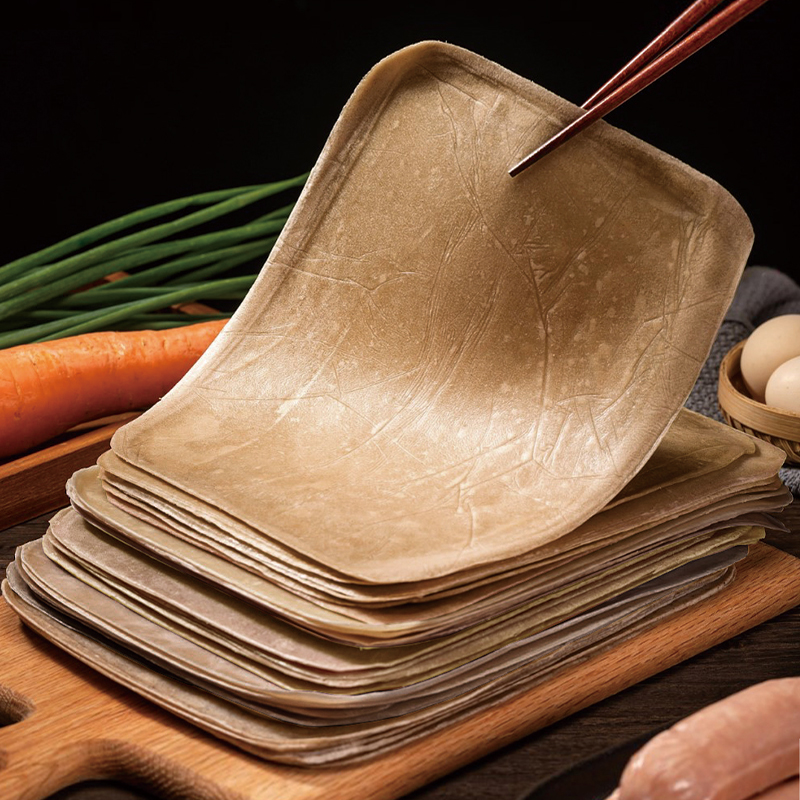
[440,365]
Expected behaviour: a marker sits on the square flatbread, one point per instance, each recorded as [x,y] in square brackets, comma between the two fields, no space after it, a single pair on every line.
[440,365]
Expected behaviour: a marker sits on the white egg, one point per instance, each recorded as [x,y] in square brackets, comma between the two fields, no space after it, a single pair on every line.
[783,386]
[768,346]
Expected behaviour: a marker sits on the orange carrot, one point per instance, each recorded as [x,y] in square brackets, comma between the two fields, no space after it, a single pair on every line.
[48,387]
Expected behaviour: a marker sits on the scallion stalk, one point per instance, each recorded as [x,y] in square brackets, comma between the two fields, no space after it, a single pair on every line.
[83,239]
[56,292]
[39,294]
[229,257]
[84,322]
[39,275]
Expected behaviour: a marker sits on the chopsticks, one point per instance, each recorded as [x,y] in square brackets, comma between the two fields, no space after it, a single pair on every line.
[648,65]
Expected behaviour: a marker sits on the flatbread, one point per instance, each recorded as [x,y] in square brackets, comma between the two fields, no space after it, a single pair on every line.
[440,365]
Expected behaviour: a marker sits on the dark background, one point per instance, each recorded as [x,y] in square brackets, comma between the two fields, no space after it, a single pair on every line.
[113,106]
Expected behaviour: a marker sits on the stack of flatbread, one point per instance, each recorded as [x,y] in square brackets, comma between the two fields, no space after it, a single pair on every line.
[439,451]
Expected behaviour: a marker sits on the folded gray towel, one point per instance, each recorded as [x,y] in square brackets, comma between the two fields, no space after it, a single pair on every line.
[763,293]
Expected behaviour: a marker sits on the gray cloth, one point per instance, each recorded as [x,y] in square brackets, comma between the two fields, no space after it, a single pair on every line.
[763,293]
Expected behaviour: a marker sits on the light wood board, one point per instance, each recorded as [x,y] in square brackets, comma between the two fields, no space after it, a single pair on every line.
[35,483]
[76,725]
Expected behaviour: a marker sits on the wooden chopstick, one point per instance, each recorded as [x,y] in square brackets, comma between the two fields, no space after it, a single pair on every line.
[628,82]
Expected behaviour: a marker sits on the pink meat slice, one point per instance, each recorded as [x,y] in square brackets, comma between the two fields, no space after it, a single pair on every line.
[746,744]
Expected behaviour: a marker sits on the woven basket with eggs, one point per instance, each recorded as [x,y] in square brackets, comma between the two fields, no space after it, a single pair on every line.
[759,384]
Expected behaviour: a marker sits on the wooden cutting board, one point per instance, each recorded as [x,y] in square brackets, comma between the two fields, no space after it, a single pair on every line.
[34,484]
[74,725]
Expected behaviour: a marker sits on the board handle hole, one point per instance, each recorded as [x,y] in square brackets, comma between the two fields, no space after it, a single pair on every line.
[14,707]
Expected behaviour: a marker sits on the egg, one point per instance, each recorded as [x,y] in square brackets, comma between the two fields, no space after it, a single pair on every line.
[783,386]
[771,344]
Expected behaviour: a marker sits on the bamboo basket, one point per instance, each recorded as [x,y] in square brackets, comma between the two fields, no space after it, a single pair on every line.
[780,428]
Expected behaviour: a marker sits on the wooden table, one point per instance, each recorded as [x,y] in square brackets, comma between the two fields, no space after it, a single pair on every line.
[769,651]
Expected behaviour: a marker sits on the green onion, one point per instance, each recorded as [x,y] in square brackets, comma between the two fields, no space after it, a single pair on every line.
[225,264]
[143,255]
[227,257]
[84,322]
[176,317]
[57,291]
[106,229]
[50,272]
[155,323]
[125,294]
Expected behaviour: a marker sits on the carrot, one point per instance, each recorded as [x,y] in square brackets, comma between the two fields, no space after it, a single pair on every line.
[47,387]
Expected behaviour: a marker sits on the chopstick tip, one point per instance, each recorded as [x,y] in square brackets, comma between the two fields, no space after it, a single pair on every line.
[535,156]
[524,163]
